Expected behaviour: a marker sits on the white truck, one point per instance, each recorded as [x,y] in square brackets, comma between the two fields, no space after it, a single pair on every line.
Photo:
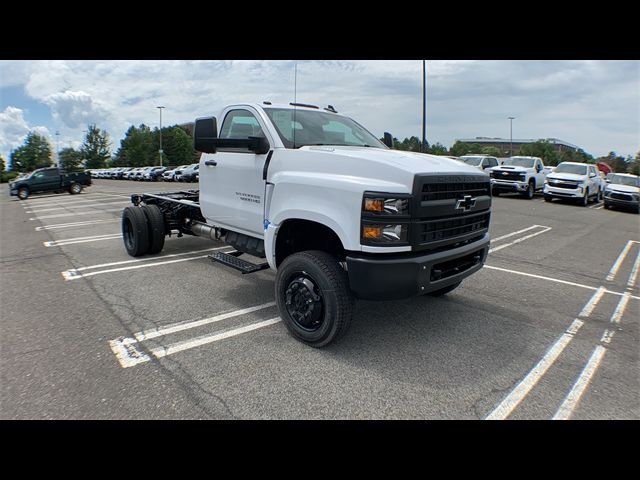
[334,211]
[574,181]
[524,175]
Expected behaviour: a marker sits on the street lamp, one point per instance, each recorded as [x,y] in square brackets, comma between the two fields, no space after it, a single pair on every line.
[511,136]
[160,151]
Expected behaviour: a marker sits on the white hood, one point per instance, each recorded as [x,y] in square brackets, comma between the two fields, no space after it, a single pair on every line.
[574,177]
[616,187]
[511,168]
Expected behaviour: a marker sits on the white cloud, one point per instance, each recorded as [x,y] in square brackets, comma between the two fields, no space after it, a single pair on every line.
[14,129]
[76,109]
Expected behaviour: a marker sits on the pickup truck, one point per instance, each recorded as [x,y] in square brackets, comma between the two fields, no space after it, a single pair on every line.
[49,180]
[524,175]
[574,181]
[333,210]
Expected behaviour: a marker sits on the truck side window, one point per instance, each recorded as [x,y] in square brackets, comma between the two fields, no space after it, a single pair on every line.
[240,124]
[50,173]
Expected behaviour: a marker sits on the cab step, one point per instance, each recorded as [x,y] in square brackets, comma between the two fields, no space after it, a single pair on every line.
[232,260]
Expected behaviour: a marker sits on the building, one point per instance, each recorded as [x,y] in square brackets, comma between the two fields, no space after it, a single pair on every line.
[504,144]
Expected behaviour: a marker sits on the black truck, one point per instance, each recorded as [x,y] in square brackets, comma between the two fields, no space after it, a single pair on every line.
[50,179]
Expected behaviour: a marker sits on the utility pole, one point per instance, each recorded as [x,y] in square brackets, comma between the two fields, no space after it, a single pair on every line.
[424,104]
[160,108]
[58,148]
[511,136]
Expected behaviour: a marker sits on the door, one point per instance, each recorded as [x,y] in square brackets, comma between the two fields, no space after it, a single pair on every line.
[594,180]
[231,185]
[45,180]
[539,174]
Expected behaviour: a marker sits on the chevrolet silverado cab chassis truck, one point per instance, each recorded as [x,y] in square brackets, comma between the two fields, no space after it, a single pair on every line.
[335,212]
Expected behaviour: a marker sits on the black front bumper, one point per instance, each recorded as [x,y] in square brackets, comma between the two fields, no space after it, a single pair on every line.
[404,275]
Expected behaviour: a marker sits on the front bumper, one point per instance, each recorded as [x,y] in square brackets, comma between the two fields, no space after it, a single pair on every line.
[398,276]
[563,192]
[13,192]
[509,185]
[630,203]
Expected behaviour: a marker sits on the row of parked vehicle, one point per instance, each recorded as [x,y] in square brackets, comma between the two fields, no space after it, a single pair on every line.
[183,173]
[574,181]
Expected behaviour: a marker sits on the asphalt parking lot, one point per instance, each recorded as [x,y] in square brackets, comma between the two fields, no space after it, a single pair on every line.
[548,329]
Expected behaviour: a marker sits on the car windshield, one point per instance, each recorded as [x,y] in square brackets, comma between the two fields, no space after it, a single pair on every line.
[473,161]
[519,162]
[622,180]
[571,168]
[297,128]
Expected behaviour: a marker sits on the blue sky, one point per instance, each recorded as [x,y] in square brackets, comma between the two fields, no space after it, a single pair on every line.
[592,104]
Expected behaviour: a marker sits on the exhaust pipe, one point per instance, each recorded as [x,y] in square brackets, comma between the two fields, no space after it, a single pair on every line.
[204,230]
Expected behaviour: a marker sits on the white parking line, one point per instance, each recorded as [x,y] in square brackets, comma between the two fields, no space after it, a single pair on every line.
[634,272]
[75,273]
[128,355]
[71,241]
[618,263]
[69,201]
[556,280]
[75,214]
[73,224]
[500,247]
[73,205]
[513,233]
[571,401]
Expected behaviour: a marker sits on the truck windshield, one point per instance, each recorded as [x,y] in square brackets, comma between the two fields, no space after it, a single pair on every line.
[569,168]
[628,181]
[473,161]
[519,162]
[298,128]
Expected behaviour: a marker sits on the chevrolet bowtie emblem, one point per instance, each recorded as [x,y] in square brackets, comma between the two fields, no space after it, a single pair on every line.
[466,203]
[505,173]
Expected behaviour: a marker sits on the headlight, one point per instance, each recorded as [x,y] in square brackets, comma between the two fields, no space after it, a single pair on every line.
[378,205]
[384,234]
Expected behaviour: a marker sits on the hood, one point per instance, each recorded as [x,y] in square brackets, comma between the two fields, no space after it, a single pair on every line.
[510,168]
[566,176]
[616,187]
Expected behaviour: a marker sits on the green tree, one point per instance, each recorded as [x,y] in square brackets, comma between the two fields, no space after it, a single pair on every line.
[2,163]
[177,146]
[70,159]
[491,151]
[96,148]
[634,165]
[34,153]
[459,148]
[137,148]
[543,149]
[615,161]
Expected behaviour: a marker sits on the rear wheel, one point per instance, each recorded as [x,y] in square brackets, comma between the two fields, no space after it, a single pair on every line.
[155,222]
[135,231]
[585,200]
[313,297]
[445,290]
[600,196]
[23,193]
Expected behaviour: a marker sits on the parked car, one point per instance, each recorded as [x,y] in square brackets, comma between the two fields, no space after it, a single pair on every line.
[189,174]
[574,181]
[481,162]
[524,175]
[177,173]
[622,190]
[49,180]
[167,175]
[153,173]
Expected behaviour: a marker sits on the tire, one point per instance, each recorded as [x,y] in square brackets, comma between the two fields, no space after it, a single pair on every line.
[155,223]
[548,198]
[75,188]
[600,196]
[584,201]
[606,205]
[528,194]
[135,231]
[23,193]
[495,193]
[313,297]
[445,290]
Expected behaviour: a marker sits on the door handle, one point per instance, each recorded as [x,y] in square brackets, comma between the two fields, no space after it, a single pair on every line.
[211,163]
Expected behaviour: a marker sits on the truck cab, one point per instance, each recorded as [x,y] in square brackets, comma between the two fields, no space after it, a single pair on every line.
[333,210]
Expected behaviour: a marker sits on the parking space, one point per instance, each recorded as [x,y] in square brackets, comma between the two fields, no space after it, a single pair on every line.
[548,329]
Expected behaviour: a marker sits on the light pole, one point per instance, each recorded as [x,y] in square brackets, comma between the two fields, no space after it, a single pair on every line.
[424,104]
[58,148]
[160,109]
[511,136]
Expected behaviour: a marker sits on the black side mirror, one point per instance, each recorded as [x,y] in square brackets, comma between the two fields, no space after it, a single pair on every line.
[388,139]
[260,145]
[205,133]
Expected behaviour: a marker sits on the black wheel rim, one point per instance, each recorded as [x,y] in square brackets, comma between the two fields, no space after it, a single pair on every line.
[304,302]
[127,234]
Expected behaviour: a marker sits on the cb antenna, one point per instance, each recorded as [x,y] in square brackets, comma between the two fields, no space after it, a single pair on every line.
[295,101]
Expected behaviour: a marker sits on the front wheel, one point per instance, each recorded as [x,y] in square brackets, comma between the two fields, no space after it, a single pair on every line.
[528,194]
[23,193]
[548,198]
[313,297]
[585,200]
[75,188]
